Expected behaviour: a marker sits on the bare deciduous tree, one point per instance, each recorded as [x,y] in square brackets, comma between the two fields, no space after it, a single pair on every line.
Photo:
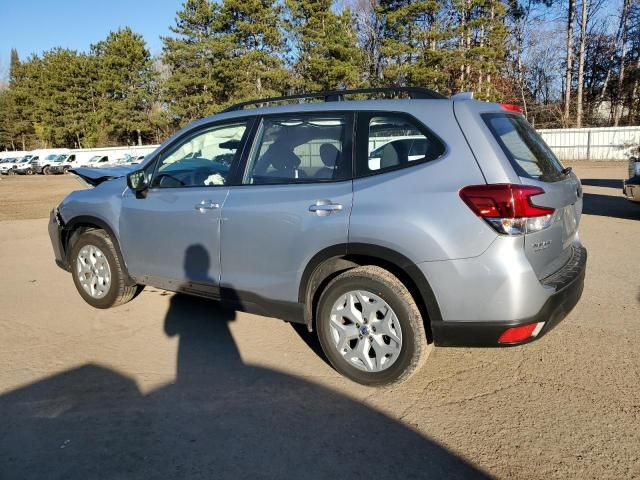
[581,50]
[571,9]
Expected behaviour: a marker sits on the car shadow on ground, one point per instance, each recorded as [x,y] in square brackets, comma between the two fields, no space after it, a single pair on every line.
[220,418]
[610,206]
[602,182]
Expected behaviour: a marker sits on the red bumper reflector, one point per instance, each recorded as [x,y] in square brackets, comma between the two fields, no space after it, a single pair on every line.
[520,333]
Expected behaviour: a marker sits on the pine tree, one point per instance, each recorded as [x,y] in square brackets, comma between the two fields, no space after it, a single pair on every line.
[413,33]
[125,79]
[7,120]
[14,65]
[193,58]
[25,87]
[250,33]
[328,56]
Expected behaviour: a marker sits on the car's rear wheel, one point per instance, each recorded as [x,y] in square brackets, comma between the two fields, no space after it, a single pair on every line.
[98,273]
[370,327]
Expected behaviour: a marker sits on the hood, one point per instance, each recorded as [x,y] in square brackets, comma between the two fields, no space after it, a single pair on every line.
[95,176]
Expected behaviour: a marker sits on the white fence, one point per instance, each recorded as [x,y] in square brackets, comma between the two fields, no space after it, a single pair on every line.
[610,143]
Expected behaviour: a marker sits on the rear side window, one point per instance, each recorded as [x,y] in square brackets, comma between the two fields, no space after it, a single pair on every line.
[528,153]
[301,149]
[394,141]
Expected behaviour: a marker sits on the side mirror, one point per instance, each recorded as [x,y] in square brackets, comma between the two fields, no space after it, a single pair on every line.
[137,181]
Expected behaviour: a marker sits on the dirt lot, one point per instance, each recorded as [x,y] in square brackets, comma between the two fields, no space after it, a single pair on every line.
[173,387]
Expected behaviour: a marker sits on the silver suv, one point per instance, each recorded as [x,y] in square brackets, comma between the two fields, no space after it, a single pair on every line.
[386,225]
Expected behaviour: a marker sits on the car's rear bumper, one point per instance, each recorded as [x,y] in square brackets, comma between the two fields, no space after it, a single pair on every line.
[568,283]
[55,235]
[631,189]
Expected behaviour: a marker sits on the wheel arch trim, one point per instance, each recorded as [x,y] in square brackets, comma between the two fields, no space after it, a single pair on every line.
[90,220]
[340,257]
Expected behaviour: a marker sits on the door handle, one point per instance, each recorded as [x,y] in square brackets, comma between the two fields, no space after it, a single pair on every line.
[323,208]
[205,205]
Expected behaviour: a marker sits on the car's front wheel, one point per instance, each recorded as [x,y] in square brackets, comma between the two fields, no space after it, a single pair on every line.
[98,273]
[370,327]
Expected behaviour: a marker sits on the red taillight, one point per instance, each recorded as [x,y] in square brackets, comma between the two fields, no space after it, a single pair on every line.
[520,333]
[503,201]
[508,208]
[511,107]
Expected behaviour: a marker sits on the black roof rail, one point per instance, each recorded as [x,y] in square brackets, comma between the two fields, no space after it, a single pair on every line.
[338,95]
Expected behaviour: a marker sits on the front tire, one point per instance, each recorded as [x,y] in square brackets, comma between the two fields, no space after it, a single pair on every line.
[370,327]
[98,273]
[46,171]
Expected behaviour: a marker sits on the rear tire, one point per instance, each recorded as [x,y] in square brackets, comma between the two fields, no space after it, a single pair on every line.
[370,327]
[98,272]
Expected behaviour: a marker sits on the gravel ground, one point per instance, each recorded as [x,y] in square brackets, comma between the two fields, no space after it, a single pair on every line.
[174,387]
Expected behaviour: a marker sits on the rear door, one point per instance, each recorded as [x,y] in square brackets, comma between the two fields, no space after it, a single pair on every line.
[535,164]
[295,200]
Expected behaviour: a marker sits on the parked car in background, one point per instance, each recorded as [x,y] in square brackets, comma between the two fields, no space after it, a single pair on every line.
[97,161]
[12,154]
[45,158]
[62,164]
[631,186]
[125,160]
[8,165]
[25,165]
[280,210]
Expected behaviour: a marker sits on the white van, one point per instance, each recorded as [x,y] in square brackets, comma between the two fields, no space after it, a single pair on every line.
[44,158]
[12,154]
[8,164]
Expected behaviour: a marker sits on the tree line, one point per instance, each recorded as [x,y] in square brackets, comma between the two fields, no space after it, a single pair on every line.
[568,63]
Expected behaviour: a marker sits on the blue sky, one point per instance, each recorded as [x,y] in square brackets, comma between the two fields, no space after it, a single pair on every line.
[33,26]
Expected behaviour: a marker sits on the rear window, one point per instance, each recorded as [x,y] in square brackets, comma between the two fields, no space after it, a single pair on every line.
[397,141]
[526,150]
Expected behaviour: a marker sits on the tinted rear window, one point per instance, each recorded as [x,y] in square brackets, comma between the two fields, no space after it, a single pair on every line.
[529,154]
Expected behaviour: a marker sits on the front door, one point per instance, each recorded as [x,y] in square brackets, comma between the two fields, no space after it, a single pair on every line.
[171,238]
[294,201]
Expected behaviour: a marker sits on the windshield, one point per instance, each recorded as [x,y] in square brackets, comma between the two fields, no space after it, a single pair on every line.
[26,159]
[95,158]
[53,156]
[526,150]
[60,158]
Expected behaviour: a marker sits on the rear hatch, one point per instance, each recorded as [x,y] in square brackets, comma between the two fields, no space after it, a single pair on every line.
[535,164]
